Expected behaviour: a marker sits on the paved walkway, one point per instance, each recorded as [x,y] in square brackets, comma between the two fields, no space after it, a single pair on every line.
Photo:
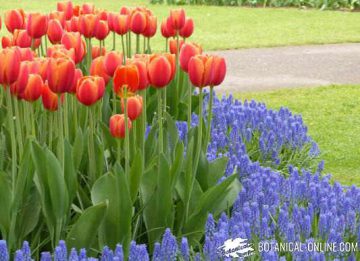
[261,69]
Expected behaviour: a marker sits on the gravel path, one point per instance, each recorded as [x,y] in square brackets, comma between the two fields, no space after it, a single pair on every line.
[262,69]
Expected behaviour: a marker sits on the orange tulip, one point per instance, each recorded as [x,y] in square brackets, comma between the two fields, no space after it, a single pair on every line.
[187,29]
[74,40]
[33,88]
[9,65]
[59,51]
[77,76]
[43,66]
[187,51]
[134,107]
[143,75]
[101,30]
[166,29]
[60,74]
[55,31]
[26,69]
[138,22]
[36,25]
[151,26]
[23,40]
[177,18]
[59,16]
[6,42]
[87,8]
[87,25]
[218,71]
[117,125]
[90,89]
[67,8]
[160,71]
[173,45]
[97,68]
[121,24]
[76,10]
[199,67]
[14,19]
[126,76]
[111,61]
[50,99]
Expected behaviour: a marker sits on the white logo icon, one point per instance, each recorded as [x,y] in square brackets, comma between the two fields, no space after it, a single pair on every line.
[236,248]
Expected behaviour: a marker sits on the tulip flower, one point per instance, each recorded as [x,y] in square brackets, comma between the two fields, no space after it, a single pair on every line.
[9,65]
[166,29]
[33,88]
[110,20]
[95,51]
[55,31]
[218,71]
[160,71]
[101,30]
[50,99]
[67,8]
[187,51]
[59,51]
[59,16]
[121,24]
[138,22]
[173,45]
[134,107]
[26,69]
[87,25]
[43,67]
[6,42]
[14,19]
[102,14]
[111,61]
[60,74]
[126,77]
[90,89]
[36,25]
[74,40]
[151,26]
[23,40]
[87,8]
[177,18]
[76,10]
[97,68]
[124,10]
[199,68]
[117,125]
[73,24]
[187,29]
[26,54]
[77,76]
[143,73]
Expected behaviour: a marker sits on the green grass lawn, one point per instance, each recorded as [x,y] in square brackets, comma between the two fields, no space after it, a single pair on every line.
[233,27]
[333,116]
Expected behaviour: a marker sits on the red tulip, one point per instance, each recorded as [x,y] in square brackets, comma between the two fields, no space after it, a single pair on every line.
[126,76]
[55,31]
[73,24]
[26,54]
[87,8]
[59,16]
[121,24]
[26,69]
[50,99]
[36,25]
[124,10]
[97,68]
[74,40]
[43,67]
[138,22]
[218,71]
[9,65]
[101,30]
[177,18]
[87,25]
[77,76]
[59,51]
[187,29]
[102,14]
[95,51]
[134,106]
[33,88]
[160,71]
[111,61]
[6,42]
[151,26]
[199,68]
[143,73]
[110,19]
[60,74]
[23,40]
[67,8]
[76,10]
[117,125]
[173,45]
[90,89]
[166,29]
[14,19]
[187,51]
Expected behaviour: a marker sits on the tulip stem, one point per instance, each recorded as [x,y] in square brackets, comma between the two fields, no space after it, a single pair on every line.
[209,119]
[66,123]
[51,122]
[18,127]
[200,126]
[12,136]
[166,44]
[91,145]
[189,106]
[144,122]
[138,43]
[32,119]
[123,48]
[61,133]
[148,46]
[129,51]
[161,149]
[127,148]
[114,41]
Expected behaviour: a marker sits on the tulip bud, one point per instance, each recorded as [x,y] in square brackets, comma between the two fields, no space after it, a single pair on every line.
[50,99]
[101,30]
[87,24]
[9,65]
[95,51]
[74,40]
[14,19]
[90,89]
[218,71]
[177,18]
[199,68]
[143,74]
[166,29]
[60,74]
[33,88]
[160,71]
[43,67]
[6,42]
[173,45]
[54,31]
[102,14]
[117,125]
[134,107]
[126,76]
[26,69]
[23,40]
[87,8]
[74,24]
[111,61]
[187,51]
[187,29]
[77,76]
[36,25]
[110,19]
[67,8]
[121,24]
[26,54]
[59,16]
[97,68]
[151,26]
[124,10]
[138,22]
